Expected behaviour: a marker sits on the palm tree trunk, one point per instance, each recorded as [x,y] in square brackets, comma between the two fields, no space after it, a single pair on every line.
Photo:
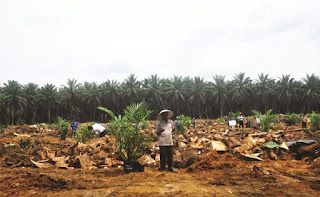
[220,106]
[71,111]
[49,115]
[12,114]
[94,111]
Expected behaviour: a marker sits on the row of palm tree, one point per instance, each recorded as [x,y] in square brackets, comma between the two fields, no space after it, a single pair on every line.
[194,97]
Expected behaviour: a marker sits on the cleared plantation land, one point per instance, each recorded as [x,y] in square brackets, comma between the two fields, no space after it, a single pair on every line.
[68,168]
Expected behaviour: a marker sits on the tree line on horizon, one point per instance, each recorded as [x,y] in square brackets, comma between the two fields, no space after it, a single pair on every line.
[195,97]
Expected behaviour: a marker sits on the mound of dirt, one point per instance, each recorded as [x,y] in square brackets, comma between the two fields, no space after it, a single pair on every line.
[215,161]
[43,181]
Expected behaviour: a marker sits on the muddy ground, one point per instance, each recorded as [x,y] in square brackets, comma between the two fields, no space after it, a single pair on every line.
[214,174]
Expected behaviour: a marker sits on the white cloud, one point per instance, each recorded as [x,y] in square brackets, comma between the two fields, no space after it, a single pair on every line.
[48,41]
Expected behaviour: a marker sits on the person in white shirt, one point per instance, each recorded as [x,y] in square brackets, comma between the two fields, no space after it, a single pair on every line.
[164,130]
[240,119]
[97,129]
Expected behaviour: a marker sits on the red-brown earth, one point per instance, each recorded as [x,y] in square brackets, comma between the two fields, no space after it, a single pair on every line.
[214,174]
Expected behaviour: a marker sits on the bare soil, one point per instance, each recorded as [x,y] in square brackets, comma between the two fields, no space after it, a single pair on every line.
[268,178]
[213,175]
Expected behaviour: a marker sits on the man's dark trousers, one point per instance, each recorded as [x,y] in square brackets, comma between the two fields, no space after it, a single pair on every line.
[166,154]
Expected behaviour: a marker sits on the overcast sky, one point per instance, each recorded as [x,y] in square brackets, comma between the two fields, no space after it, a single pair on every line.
[50,41]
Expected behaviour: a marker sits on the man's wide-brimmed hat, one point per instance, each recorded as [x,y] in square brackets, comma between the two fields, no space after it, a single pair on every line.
[170,113]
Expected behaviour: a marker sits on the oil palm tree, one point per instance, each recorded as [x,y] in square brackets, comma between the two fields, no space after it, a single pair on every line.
[13,98]
[70,96]
[286,89]
[311,92]
[3,109]
[154,93]
[110,91]
[198,95]
[264,89]
[31,91]
[92,95]
[48,96]
[241,90]
[131,89]
[176,94]
[219,91]
[184,95]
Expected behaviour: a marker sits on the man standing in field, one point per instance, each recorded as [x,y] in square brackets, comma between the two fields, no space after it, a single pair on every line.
[164,130]
[240,119]
[304,121]
[228,118]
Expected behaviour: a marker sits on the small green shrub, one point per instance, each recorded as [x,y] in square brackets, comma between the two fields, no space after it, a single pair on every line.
[44,125]
[235,115]
[62,125]
[222,119]
[315,121]
[267,120]
[51,126]
[127,130]
[83,133]
[309,115]
[144,124]
[252,119]
[183,123]
[2,128]
[292,119]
